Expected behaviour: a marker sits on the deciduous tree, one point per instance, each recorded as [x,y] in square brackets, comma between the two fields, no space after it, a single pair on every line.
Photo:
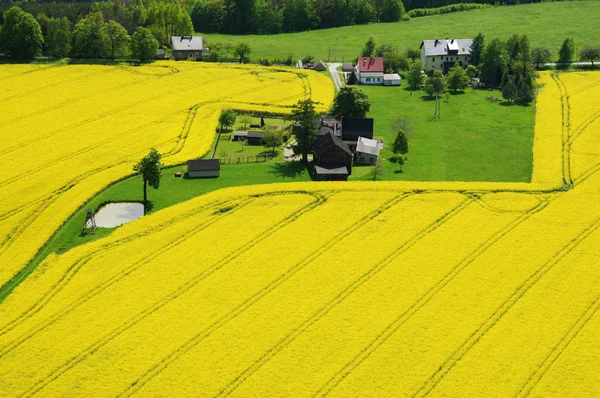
[227,118]
[477,48]
[118,39]
[415,76]
[369,48]
[400,145]
[58,41]
[493,64]
[150,168]
[143,44]
[378,169]
[457,79]
[590,52]
[272,139]
[21,35]
[90,37]
[350,102]
[540,55]
[242,51]
[305,115]
[567,51]
[413,54]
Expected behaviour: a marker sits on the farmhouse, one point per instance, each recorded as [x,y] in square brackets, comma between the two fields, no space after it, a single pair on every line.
[354,127]
[369,70]
[443,54]
[185,47]
[203,168]
[332,159]
[367,151]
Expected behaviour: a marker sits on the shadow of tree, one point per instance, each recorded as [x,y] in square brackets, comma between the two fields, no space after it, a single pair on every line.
[287,169]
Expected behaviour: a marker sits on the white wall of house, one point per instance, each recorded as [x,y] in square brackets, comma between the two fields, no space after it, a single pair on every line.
[437,62]
[365,158]
[370,77]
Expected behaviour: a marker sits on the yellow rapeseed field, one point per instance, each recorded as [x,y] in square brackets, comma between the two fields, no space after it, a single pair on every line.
[339,289]
[66,132]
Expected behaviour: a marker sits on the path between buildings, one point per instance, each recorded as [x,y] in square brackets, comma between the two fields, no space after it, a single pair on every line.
[335,75]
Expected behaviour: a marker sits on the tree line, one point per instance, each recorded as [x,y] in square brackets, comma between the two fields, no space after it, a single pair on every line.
[24,36]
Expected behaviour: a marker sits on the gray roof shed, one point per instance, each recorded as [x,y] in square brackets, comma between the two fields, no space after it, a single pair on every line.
[187,43]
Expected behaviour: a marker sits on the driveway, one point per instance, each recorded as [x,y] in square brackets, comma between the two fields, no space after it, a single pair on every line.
[335,75]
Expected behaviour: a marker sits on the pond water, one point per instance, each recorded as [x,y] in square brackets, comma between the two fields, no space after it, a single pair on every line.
[114,214]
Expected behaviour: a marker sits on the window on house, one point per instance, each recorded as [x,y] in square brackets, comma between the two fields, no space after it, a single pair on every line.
[362,158]
[446,58]
[451,58]
[433,59]
[178,55]
[196,55]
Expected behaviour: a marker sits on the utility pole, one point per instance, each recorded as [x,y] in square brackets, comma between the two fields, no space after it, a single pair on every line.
[336,42]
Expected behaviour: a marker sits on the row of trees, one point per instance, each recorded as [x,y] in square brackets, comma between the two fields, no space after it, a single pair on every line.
[23,36]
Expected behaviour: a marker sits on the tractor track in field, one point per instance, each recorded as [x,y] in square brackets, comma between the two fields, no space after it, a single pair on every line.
[194,280]
[424,299]
[340,297]
[504,308]
[249,302]
[566,131]
[558,349]
[78,264]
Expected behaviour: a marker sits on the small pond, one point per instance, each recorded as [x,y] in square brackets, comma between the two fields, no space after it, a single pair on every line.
[114,214]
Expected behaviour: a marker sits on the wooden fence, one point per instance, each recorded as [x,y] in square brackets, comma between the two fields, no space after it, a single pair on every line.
[246,159]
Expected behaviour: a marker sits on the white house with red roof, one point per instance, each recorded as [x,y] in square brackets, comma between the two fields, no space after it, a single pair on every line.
[369,70]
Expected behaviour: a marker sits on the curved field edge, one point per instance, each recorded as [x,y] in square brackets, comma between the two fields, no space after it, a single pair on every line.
[56,210]
[547,175]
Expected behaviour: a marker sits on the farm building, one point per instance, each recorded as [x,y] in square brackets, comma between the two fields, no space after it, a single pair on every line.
[251,137]
[320,66]
[392,79]
[367,151]
[332,159]
[185,47]
[161,54]
[203,168]
[443,54]
[369,70]
[347,67]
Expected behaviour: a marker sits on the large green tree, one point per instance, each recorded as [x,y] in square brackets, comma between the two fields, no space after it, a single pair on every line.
[369,48]
[457,78]
[305,130]
[150,168]
[21,35]
[90,37]
[566,53]
[350,102]
[494,63]
[58,40]
[590,52]
[415,76]
[208,15]
[227,118]
[118,39]
[477,48]
[391,11]
[517,48]
[242,52]
[272,139]
[166,19]
[143,44]
[540,55]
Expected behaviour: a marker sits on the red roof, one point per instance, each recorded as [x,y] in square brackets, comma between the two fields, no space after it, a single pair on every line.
[370,64]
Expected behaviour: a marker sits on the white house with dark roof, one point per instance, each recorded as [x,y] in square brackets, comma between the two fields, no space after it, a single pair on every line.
[443,54]
[184,47]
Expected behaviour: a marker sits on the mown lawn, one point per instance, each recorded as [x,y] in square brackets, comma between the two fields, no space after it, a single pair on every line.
[545,24]
[474,139]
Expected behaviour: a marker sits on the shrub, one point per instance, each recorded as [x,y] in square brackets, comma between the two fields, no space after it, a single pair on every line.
[423,12]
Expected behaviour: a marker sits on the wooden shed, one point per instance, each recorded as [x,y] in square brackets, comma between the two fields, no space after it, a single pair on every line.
[332,159]
[202,168]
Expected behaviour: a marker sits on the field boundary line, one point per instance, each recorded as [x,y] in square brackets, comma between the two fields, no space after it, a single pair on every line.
[389,330]
[566,130]
[200,336]
[504,308]
[341,296]
[178,291]
[54,289]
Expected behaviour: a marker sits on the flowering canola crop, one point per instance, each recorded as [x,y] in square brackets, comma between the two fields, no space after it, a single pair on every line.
[69,131]
[340,289]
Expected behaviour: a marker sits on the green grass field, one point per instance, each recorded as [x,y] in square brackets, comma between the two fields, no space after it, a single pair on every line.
[474,139]
[172,191]
[545,24]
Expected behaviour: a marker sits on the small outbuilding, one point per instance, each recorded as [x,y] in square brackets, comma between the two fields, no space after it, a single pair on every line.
[202,168]
[320,66]
[255,137]
[347,67]
[367,151]
[391,79]
[161,54]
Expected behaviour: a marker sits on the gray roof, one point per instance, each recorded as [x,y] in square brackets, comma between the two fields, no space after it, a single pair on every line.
[447,47]
[204,165]
[347,67]
[331,169]
[366,145]
[187,43]
[391,76]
